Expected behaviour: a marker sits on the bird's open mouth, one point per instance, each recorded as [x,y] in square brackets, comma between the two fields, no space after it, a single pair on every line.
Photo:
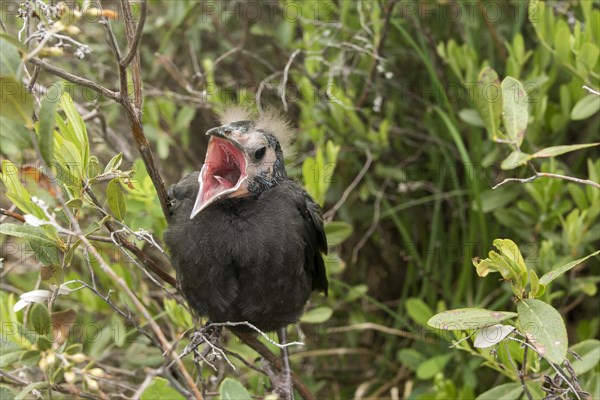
[222,174]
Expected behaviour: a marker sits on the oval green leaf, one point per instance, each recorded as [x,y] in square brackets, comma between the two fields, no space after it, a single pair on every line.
[317,315]
[488,99]
[558,150]
[514,160]
[468,319]
[47,122]
[515,110]
[337,232]
[544,328]
[116,199]
[160,389]
[231,389]
[429,368]
[508,391]
[552,275]
[586,107]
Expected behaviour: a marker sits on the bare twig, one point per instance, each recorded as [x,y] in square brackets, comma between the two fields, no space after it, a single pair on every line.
[134,45]
[519,372]
[12,214]
[252,341]
[548,175]
[74,78]
[374,223]
[65,389]
[282,85]
[592,91]
[328,216]
[139,253]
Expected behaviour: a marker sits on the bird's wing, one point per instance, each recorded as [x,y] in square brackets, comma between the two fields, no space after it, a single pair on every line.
[186,189]
[314,237]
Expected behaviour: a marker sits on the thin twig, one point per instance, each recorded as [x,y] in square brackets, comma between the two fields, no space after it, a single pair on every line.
[282,85]
[12,214]
[328,216]
[134,45]
[548,175]
[74,78]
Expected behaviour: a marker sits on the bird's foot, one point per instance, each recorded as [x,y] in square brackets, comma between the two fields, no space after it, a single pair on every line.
[206,334]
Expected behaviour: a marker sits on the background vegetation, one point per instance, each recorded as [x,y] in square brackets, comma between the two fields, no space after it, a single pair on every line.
[400,139]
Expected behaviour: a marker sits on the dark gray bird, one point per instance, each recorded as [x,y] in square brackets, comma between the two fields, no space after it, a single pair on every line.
[245,240]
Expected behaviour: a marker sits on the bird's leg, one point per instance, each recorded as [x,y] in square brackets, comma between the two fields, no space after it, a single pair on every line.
[287,372]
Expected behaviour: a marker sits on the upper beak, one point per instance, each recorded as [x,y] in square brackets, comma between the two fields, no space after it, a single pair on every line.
[224,169]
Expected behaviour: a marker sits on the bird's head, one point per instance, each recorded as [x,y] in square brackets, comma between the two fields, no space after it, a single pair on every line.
[243,158]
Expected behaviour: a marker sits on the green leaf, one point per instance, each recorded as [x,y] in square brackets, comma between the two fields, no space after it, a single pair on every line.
[6,392]
[114,163]
[160,389]
[471,117]
[317,315]
[515,113]
[231,389]
[537,289]
[47,122]
[509,262]
[586,107]
[78,127]
[116,199]
[488,99]
[10,59]
[429,368]
[17,193]
[29,388]
[17,102]
[410,358]
[46,249]
[588,55]
[544,328]
[508,391]
[39,319]
[562,38]
[589,352]
[337,232]
[514,160]
[418,310]
[493,199]
[555,273]
[468,318]
[558,150]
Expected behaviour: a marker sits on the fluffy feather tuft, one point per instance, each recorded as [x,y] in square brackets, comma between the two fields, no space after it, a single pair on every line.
[276,124]
[236,113]
[270,121]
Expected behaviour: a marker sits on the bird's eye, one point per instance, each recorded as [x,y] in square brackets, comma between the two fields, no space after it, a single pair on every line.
[260,153]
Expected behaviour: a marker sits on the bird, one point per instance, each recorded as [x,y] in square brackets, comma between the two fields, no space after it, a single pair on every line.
[246,241]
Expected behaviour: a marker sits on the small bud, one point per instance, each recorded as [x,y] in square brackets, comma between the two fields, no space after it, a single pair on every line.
[92,384]
[78,358]
[53,51]
[72,30]
[97,372]
[69,376]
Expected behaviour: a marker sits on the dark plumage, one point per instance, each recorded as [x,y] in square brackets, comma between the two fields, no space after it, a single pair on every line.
[252,251]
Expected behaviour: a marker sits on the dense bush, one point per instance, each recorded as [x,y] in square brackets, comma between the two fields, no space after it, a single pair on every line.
[426,130]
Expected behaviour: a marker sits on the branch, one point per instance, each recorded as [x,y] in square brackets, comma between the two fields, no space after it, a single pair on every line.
[12,214]
[70,390]
[548,175]
[133,49]
[252,341]
[74,78]
[139,253]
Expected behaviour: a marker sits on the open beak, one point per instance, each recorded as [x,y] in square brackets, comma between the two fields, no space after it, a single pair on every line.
[224,170]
